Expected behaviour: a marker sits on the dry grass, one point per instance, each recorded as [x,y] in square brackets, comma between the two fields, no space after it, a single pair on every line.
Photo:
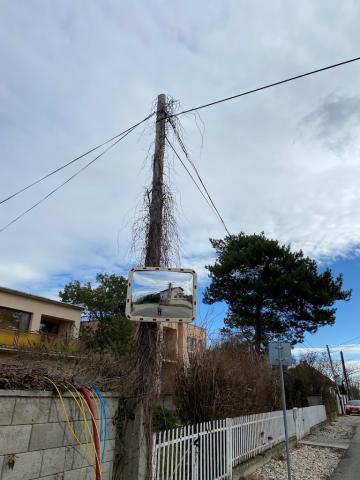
[27,369]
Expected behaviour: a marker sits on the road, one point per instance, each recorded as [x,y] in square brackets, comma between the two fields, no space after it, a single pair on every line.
[349,467]
[167,311]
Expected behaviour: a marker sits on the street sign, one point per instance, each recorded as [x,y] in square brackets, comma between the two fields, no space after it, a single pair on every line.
[280,348]
[161,295]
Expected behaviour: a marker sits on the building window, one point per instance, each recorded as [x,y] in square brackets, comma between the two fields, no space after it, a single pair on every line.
[49,327]
[11,318]
[191,344]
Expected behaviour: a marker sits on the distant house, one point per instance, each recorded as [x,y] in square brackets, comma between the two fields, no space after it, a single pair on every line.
[175,296]
[307,386]
[171,293]
[25,318]
[180,341]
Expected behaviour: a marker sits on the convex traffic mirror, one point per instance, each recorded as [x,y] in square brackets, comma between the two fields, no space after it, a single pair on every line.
[161,294]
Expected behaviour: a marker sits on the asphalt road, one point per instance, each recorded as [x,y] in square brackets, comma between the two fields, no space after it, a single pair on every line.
[167,311]
[349,467]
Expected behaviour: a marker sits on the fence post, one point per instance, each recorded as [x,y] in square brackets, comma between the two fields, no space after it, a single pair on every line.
[229,449]
[295,416]
[194,456]
[153,457]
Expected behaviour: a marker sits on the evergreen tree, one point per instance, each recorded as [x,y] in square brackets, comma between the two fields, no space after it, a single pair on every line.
[271,291]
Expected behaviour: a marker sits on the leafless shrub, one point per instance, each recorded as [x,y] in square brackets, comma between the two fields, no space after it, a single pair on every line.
[226,381]
[320,361]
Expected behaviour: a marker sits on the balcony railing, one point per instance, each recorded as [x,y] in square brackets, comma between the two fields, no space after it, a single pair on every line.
[15,339]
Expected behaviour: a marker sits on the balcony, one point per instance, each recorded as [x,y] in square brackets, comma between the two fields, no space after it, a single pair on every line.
[12,339]
[170,347]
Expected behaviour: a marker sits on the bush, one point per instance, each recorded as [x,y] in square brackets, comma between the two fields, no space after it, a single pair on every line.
[164,419]
[229,380]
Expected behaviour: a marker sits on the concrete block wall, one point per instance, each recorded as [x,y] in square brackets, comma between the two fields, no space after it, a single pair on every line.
[35,441]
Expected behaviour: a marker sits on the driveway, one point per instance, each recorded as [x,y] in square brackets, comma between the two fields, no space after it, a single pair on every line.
[317,457]
[167,311]
[349,467]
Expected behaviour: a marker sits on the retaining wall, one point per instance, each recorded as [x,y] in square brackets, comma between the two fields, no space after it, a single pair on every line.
[35,441]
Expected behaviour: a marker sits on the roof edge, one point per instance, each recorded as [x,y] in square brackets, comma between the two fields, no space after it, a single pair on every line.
[38,297]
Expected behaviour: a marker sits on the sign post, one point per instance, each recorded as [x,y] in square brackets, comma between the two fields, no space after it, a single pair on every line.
[280,354]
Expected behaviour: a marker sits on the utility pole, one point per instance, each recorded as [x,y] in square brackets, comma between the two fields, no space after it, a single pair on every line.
[154,238]
[345,376]
[336,380]
[138,432]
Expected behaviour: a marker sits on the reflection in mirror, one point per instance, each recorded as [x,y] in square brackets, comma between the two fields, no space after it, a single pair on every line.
[162,294]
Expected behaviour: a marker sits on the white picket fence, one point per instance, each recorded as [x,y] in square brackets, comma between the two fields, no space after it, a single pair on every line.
[209,451]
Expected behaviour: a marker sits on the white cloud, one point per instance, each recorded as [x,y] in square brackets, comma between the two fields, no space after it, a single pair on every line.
[353,349]
[77,73]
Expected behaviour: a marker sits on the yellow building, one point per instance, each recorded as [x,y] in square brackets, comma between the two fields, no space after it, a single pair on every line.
[180,340]
[26,318]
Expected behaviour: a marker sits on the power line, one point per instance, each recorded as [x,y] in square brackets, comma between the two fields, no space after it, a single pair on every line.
[210,104]
[125,132]
[306,341]
[348,341]
[196,184]
[264,87]
[74,160]
[68,180]
[183,148]
[189,173]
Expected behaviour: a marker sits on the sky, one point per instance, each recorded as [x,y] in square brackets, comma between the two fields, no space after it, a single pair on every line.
[284,161]
[149,282]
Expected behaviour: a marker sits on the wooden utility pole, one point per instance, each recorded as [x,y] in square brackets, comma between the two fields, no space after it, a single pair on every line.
[154,238]
[138,432]
[345,376]
[335,379]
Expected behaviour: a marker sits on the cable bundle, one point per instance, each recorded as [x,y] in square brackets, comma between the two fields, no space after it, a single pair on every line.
[89,401]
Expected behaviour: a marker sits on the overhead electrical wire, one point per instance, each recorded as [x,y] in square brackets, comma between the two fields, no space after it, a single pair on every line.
[348,341]
[23,189]
[189,110]
[183,148]
[264,87]
[121,135]
[196,184]
[190,175]
[306,341]
[14,220]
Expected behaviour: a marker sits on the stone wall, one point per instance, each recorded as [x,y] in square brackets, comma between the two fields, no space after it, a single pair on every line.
[35,441]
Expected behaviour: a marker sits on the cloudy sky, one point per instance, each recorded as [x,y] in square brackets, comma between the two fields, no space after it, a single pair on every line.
[285,160]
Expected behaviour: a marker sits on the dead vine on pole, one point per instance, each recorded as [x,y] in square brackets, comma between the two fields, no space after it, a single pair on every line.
[170,244]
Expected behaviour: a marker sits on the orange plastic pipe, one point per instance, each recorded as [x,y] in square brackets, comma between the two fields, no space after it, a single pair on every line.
[88,400]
